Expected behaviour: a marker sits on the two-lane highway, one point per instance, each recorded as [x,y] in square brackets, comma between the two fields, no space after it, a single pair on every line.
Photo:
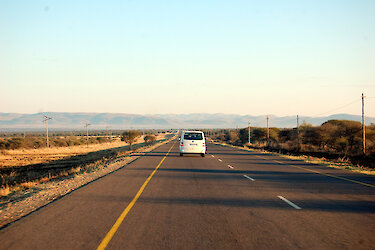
[230,199]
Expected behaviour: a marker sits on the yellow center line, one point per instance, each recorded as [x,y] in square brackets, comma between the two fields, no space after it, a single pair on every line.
[120,219]
[317,172]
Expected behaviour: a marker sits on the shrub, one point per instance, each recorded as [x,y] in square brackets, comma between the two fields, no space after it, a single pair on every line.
[129,137]
[150,139]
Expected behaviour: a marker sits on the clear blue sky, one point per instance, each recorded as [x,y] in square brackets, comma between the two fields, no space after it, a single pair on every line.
[147,57]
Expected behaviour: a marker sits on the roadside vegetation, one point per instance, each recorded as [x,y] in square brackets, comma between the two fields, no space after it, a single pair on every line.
[35,140]
[335,139]
[130,137]
[150,139]
[29,142]
[28,162]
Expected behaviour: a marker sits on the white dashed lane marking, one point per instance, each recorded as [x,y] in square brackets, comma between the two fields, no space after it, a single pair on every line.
[248,177]
[289,202]
[229,166]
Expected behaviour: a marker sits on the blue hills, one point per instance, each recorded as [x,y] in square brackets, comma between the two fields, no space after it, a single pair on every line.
[74,121]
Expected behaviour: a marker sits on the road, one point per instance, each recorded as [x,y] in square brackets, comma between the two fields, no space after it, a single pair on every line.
[230,199]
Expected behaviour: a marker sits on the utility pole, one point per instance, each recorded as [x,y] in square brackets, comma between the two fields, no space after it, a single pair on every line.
[363,125]
[298,133]
[107,132]
[268,132]
[46,118]
[249,135]
[87,133]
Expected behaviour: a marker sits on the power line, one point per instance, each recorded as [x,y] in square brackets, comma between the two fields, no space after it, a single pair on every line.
[346,105]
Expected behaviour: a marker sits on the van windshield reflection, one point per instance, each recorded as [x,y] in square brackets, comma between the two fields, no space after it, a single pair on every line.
[193,136]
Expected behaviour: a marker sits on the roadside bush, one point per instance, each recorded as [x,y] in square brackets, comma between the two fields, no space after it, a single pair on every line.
[30,142]
[16,143]
[150,139]
[4,144]
[334,136]
[101,139]
[232,137]
[59,143]
[130,137]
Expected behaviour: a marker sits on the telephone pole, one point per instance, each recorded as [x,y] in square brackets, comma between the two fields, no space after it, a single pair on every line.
[298,142]
[268,132]
[107,131]
[87,133]
[363,125]
[46,118]
[249,134]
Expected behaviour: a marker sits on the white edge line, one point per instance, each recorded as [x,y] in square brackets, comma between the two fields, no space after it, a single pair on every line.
[289,202]
[248,177]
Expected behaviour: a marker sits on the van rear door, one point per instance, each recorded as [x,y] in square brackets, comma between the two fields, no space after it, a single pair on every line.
[194,142]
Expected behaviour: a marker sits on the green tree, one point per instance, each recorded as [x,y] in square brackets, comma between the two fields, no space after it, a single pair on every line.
[259,134]
[150,139]
[232,137]
[129,137]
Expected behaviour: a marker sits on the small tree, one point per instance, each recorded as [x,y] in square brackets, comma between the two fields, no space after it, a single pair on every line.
[150,139]
[129,137]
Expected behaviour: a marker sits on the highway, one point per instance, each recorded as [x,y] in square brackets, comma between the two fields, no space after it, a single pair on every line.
[230,199]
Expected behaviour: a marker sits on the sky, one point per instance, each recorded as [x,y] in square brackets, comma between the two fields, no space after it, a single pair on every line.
[156,57]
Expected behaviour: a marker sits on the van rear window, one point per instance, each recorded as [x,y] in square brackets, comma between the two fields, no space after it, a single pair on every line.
[193,136]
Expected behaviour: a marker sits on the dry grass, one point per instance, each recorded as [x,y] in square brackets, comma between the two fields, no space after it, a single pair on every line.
[23,157]
[332,164]
[59,162]
[29,184]
[4,191]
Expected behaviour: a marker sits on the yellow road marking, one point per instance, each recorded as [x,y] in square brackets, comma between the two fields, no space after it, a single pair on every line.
[120,219]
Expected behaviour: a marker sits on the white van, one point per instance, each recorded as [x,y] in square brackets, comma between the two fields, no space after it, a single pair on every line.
[192,142]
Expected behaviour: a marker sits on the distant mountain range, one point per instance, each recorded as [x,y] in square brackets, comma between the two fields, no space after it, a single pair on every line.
[74,121]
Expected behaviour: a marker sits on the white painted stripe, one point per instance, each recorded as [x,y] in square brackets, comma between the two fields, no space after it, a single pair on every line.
[289,202]
[219,159]
[230,166]
[248,177]
[212,155]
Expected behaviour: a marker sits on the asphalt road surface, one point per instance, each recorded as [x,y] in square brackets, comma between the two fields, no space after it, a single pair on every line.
[230,199]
